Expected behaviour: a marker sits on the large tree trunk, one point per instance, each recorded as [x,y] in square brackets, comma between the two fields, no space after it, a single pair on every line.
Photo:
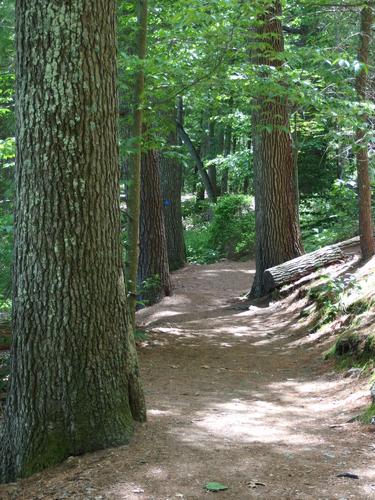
[171,185]
[277,229]
[73,355]
[153,269]
[364,184]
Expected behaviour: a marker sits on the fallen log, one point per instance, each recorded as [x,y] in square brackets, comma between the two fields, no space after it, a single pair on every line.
[292,270]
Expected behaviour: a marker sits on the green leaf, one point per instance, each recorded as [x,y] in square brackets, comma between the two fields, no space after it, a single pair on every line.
[215,487]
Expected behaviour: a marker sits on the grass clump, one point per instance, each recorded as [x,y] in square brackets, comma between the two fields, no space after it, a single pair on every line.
[345,346]
[329,297]
[368,416]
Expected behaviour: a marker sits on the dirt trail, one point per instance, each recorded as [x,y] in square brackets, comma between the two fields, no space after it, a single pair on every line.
[234,395]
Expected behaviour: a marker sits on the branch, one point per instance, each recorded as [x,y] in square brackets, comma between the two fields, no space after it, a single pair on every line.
[198,161]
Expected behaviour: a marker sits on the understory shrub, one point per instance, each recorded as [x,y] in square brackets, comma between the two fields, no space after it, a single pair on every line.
[6,237]
[223,230]
[232,231]
[331,217]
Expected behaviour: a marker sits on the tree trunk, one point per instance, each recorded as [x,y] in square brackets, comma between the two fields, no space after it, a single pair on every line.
[171,185]
[135,161]
[153,269]
[227,150]
[364,184]
[73,357]
[211,153]
[277,229]
[212,174]
[200,193]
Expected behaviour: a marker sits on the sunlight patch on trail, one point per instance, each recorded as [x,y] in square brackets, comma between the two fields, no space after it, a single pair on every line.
[246,422]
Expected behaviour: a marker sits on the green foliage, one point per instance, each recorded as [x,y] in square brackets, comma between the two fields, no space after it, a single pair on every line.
[149,290]
[198,247]
[4,369]
[150,284]
[239,166]
[331,217]
[214,486]
[232,231]
[345,346]
[328,297]
[196,217]
[368,416]
[6,239]
[224,230]
[352,350]
[140,335]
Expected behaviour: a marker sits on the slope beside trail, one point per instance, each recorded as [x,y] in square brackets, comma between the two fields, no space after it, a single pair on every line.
[235,395]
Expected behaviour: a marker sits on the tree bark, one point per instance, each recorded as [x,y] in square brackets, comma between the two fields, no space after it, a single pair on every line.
[134,189]
[278,236]
[295,269]
[153,269]
[227,150]
[74,382]
[211,153]
[364,184]
[171,185]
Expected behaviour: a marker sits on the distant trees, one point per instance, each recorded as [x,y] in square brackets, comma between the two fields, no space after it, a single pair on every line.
[74,376]
[278,237]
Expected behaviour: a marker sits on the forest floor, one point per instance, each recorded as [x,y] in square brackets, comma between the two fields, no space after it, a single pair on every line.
[235,395]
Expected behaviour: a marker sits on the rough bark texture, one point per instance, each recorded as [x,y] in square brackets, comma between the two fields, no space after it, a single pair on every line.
[153,269]
[134,201]
[277,229]
[73,356]
[301,266]
[171,185]
[364,184]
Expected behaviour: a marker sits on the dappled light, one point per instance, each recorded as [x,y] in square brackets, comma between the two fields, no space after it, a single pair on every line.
[237,393]
[187,250]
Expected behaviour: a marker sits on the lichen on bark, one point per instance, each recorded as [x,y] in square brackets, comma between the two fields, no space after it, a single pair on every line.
[74,373]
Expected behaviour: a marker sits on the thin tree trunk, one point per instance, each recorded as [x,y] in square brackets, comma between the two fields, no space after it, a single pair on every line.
[211,153]
[197,159]
[278,236]
[135,161]
[227,150]
[153,269]
[364,184]
[74,384]
[200,193]
[295,143]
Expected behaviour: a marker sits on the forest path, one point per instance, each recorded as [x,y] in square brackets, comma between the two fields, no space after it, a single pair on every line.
[234,395]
